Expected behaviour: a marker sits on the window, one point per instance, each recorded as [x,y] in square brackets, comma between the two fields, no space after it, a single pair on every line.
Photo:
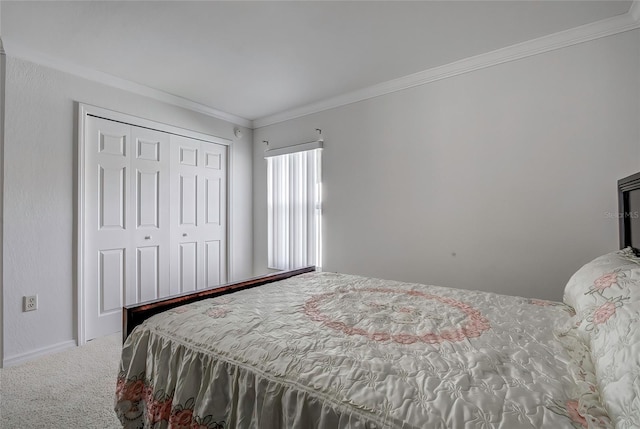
[294,206]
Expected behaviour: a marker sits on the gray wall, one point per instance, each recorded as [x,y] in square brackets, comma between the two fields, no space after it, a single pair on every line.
[40,214]
[512,168]
[2,84]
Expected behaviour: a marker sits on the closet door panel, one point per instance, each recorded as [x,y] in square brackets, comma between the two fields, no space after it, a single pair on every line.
[198,185]
[185,267]
[148,273]
[188,199]
[188,266]
[148,204]
[111,281]
[213,201]
[214,226]
[112,196]
[213,262]
[151,202]
[107,274]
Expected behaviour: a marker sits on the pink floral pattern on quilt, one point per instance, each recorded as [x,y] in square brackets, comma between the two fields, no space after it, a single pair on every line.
[134,396]
[392,315]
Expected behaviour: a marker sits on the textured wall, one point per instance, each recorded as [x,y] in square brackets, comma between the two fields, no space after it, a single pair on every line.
[41,191]
[500,179]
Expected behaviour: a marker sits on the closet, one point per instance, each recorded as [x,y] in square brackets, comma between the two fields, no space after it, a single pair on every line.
[155,218]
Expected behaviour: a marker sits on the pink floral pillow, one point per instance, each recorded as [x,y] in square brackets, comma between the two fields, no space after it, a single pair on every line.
[598,276]
[606,296]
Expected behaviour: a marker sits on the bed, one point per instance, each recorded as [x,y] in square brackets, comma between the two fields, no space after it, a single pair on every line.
[311,349]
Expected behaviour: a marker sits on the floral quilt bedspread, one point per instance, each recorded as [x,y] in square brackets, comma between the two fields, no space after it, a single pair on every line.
[326,350]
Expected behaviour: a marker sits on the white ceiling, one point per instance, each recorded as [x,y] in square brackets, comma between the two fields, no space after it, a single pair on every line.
[255,59]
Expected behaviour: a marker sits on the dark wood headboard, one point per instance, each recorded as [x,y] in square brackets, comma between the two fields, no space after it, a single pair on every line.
[629,211]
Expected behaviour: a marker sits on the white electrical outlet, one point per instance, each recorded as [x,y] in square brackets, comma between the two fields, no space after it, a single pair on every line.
[30,303]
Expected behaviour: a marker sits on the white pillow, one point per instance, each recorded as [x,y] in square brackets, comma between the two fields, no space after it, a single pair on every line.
[606,296]
[597,276]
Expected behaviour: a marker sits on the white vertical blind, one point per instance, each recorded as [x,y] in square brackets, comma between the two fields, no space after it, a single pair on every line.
[294,209]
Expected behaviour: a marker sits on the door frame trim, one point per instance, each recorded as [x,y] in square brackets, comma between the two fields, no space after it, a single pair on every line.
[86,110]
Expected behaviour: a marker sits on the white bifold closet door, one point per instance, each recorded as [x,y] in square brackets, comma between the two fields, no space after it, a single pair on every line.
[198,214]
[155,224]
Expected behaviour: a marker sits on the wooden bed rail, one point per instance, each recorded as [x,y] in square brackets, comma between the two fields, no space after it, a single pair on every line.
[135,314]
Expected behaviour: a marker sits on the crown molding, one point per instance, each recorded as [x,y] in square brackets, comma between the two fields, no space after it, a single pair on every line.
[585,33]
[17,51]
[563,39]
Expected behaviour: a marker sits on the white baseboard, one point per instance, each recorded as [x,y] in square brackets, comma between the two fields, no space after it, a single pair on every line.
[25,357]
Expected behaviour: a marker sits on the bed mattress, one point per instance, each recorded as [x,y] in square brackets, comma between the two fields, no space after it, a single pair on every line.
[327,350]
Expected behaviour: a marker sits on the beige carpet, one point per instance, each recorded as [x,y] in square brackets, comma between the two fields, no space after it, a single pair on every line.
[71,389]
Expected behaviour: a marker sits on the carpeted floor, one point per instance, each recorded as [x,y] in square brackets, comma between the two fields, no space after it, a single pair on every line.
[71,389]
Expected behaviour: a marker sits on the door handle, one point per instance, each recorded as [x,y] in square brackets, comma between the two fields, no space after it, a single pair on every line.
[147,237]
[184,234]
